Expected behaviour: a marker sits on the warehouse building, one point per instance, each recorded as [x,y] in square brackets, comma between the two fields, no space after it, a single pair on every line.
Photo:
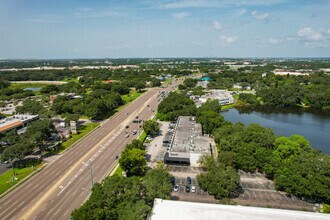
[16,121]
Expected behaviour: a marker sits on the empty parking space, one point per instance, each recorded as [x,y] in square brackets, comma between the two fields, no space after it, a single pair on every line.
[257,190]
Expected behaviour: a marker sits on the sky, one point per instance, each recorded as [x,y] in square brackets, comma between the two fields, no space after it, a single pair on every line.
[47,29]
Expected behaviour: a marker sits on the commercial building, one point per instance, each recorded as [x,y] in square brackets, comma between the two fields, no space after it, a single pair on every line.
[169,209]
[187,144]
[223,96]
[16,121]
[203,84]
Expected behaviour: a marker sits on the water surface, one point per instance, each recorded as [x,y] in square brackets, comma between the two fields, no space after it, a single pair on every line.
[315,127]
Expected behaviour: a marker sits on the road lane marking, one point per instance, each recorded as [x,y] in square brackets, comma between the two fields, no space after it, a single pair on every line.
[66,212]
[55,186]
[57,212]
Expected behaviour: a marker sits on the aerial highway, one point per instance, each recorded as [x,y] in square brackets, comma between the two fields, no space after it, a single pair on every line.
[65,183]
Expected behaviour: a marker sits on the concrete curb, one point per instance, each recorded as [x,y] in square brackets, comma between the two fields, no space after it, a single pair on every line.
[23,180]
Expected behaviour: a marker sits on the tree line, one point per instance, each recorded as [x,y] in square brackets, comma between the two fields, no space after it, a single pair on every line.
[291,162]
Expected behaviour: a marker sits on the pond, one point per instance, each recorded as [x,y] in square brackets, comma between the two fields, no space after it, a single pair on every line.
[314,126]
[33,89]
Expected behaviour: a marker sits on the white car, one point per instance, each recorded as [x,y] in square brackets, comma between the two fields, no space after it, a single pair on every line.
[127,135]
[176,188]
[193,189]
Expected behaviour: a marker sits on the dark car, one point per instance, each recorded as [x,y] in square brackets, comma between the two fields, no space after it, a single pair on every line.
[172,180]
[188,180]
[116,157]
[187,188]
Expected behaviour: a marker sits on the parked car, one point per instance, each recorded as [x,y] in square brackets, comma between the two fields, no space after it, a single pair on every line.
[116,157]
[127,126]
[172,180]
[188,180]
[193,189]
[127,135]
[134,132]
[187,188]
[176,188]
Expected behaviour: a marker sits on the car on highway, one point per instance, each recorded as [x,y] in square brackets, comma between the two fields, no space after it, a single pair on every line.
[134,132]
[188,180]
[187,188]
[176,188]
[193,189]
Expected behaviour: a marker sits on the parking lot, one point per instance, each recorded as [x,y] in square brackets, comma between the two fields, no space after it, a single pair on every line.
[259,191]
[181,173]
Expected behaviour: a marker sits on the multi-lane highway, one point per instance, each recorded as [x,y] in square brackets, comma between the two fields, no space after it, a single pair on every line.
[65,183]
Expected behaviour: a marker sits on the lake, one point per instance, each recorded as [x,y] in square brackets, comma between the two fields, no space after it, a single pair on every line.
[315,127]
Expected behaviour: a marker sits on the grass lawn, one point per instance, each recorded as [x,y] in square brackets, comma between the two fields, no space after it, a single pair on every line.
[27,85]
[133,94]
[118,171]
[6,178]
[83,130]
[142,136]
[226,107]
[84,117]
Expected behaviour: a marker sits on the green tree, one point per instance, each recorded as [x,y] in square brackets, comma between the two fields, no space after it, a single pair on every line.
[175,105]
[136,144]
[210,121]
[133,161]
[151,127]
[220,181]
[157,184]
[29,106]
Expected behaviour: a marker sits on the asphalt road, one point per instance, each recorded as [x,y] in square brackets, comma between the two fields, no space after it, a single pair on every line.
[64,184]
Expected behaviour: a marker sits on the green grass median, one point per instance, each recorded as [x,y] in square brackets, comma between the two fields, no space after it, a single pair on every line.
[6,179]
[83,131]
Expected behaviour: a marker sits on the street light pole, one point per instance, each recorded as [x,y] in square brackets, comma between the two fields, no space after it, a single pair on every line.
[12,166]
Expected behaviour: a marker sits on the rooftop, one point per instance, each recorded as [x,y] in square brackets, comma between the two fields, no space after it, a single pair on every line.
[15,121]
[189,137]
[169,209]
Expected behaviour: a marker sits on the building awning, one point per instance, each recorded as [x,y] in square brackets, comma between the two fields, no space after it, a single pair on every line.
[169,159]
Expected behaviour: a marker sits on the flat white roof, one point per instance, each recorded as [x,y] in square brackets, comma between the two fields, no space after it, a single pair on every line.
[170,210]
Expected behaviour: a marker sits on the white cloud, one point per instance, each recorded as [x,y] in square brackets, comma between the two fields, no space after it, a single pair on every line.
[225,40]
[181,15]
[259,16]
[310,34]
[175,4]
[98,13]
[274,40]
[217,25]
[241,12]
[43,21]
